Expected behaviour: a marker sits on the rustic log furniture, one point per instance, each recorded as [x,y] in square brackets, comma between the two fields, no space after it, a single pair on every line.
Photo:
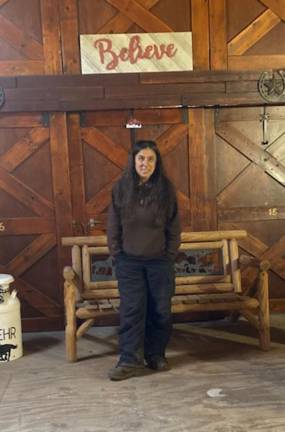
[91,301]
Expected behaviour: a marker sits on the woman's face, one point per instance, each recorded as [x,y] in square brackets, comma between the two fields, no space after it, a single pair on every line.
[145,163]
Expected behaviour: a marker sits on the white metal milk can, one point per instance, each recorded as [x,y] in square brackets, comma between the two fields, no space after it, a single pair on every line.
[11,346]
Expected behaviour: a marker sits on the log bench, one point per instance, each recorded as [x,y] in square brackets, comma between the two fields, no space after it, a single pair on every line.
[91,295]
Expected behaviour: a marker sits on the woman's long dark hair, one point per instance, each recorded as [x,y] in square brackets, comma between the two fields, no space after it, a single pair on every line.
[158,183]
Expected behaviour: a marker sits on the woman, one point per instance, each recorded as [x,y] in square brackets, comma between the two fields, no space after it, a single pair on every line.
[143,236]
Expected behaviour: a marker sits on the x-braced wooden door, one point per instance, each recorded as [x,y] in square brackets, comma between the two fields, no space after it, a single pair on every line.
[251,186]
[27,219]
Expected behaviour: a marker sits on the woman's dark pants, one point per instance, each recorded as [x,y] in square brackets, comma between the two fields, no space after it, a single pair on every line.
[146,288]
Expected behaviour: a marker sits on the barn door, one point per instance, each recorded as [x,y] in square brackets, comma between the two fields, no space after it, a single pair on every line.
[250,145]
[105,142]
[27,225]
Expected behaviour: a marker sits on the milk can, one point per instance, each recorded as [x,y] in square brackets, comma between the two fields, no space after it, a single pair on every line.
[10,322]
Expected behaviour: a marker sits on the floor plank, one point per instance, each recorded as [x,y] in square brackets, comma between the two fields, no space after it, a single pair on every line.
[41,392]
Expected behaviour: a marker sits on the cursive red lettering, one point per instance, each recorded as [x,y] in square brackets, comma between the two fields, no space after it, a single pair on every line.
[104,46]
[158,53]
[171,50]
[134,52]
[124,54]
[148,52]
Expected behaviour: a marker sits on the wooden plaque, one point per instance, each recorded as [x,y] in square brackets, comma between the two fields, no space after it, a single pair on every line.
[142,52]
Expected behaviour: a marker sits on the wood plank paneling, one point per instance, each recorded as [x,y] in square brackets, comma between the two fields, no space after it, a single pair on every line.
[218,38]
[69,36]
[202,172]
[76,169]
[14,120]
[19,40]
[51,36]
[200,34]
[61,174]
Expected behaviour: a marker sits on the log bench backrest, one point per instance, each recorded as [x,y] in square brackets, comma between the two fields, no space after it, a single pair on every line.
[224,242]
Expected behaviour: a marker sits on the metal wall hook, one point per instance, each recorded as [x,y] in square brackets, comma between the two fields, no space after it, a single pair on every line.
[264,118]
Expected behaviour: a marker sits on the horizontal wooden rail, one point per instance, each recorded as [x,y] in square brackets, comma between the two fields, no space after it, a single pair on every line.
[198,236]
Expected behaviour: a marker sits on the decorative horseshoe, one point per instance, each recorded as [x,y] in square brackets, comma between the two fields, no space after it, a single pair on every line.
[271,85]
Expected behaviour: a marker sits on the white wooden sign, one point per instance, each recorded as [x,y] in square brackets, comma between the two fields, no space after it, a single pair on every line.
[140,52]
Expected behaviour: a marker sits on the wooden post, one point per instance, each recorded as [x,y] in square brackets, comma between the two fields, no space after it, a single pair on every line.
[218,35]
[234,253]
[200,32]
[69,302]
[77,263]
[264,320]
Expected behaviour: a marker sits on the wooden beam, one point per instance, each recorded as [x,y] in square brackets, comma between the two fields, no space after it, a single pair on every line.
[61,174]
[20,41]
[133,91]
[31,254]
[24,194]
[200,34]
[124,92]
[21,67]
[27,226]
[253,33]
[140,15]
[2,2]
[277,6]
[120,23]
[168,140]
[76,169]
[218,36]
[24,148]
[69,36]
[106,146]
[201,169]
[51,36]
[21,120]
[61,183]
[258,62]
[243,214]
[98,203]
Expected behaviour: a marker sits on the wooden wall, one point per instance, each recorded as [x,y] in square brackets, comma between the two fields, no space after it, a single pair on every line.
[57,168]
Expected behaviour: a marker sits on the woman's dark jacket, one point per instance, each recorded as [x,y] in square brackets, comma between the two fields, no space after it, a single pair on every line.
[143,231]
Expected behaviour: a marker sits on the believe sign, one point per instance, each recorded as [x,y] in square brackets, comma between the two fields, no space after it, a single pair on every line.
[141,52]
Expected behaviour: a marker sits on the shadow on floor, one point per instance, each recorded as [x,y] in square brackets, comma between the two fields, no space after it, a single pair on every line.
[40,343]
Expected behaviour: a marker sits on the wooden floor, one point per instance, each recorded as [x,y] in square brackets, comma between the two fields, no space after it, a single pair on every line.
[219,382]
